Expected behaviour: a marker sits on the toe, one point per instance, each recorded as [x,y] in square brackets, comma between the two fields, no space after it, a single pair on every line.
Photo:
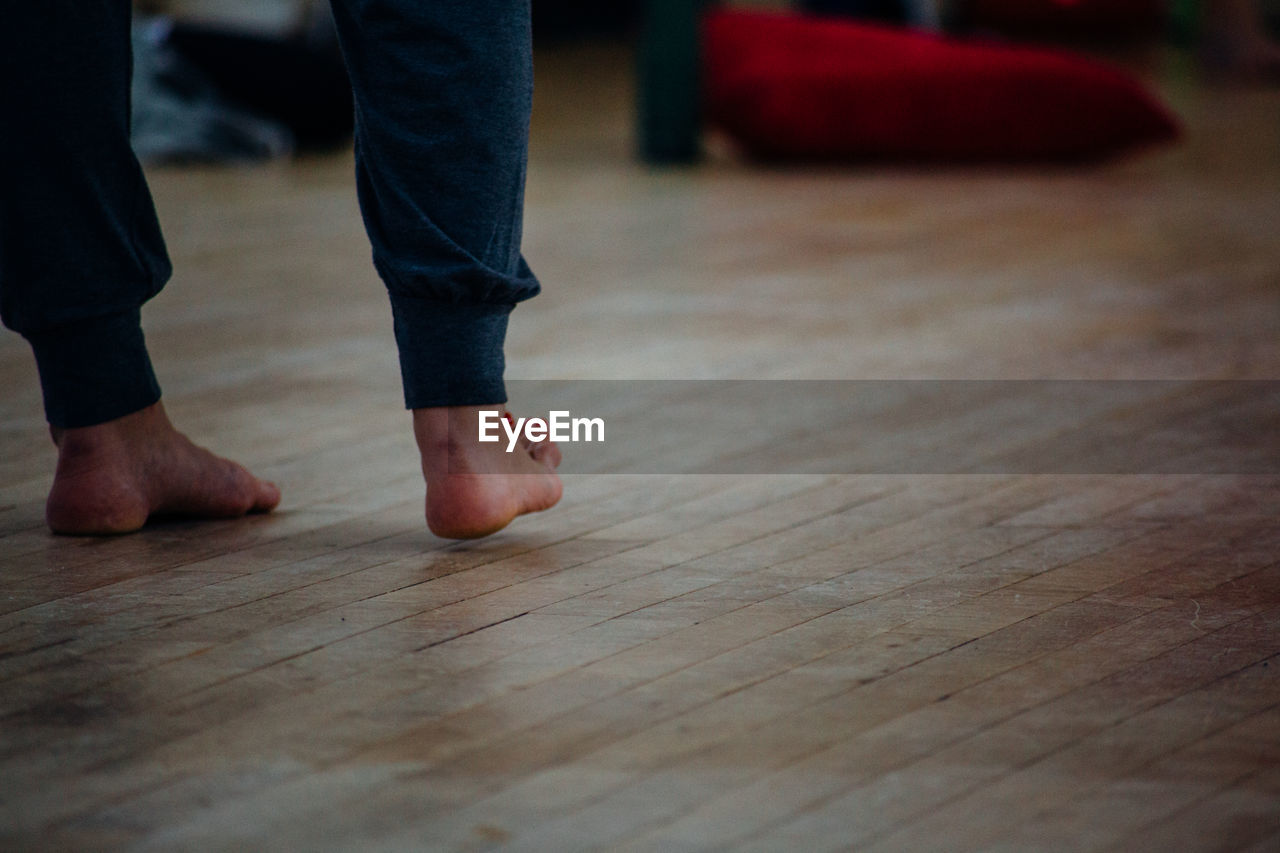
[267,498]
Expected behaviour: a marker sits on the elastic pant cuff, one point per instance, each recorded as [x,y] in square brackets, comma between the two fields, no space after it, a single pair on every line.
[450,354]
[93,371]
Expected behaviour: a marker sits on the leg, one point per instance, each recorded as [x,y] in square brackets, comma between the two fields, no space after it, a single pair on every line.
[80,252]
[443,93]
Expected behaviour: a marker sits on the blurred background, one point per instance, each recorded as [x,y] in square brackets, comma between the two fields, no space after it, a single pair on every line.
[231,79]
[1155,261]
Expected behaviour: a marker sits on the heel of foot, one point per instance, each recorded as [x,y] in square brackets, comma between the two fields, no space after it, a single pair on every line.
[72,515]
[468,507]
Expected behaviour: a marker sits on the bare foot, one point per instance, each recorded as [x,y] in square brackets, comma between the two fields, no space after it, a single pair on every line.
[475,489]
[112,477]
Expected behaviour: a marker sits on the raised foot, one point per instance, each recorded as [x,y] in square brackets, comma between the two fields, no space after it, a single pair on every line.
[111,478]
[476,489]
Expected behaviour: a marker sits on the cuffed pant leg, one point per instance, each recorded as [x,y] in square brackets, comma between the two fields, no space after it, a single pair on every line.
[443,94]
[80,246]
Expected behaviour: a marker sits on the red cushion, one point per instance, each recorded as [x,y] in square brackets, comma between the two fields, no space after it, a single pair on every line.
[788,86]
[1069,18]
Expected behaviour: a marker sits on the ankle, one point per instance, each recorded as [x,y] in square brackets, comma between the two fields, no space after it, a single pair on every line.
[150,421]
[447,428]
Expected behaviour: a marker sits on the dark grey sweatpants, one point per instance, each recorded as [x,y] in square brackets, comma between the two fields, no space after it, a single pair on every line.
[443,93]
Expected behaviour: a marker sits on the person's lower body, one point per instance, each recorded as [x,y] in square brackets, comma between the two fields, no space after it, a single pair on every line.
[443,93]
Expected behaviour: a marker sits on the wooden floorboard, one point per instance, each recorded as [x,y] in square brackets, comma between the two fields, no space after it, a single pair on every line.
[789,661]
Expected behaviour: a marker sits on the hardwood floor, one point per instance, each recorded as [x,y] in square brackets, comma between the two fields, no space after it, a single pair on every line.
[767,662]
